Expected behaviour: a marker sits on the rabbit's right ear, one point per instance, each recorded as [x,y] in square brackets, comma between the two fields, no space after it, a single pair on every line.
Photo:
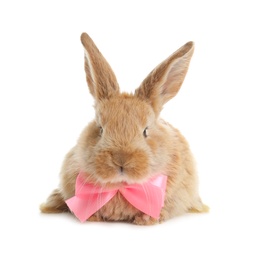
[101,79]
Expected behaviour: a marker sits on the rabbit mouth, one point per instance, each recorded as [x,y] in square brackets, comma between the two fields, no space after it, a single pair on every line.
[120,166]
[120,174]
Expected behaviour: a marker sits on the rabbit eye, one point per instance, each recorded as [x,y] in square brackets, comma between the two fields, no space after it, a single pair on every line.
[145,133]
[100,130]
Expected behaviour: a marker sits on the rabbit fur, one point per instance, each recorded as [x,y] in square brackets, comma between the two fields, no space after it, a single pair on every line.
[129,142]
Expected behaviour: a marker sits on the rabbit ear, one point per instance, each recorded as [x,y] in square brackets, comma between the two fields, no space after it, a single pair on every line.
[164,82]
[101,79]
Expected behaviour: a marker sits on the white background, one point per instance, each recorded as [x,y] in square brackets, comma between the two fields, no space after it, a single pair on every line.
[45,103]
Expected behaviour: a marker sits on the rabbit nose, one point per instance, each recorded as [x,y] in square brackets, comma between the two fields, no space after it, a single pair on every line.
[120,166]
[119,159]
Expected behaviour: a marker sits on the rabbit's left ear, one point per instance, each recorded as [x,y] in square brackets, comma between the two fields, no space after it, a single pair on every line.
[101,79]
[164,82]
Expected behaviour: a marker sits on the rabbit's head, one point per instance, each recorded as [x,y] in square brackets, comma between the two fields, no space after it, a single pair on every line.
[127,142]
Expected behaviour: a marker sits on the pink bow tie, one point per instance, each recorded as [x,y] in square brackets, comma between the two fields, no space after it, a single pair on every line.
[148,197]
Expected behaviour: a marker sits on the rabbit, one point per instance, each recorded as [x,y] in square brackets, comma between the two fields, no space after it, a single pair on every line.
[128,142]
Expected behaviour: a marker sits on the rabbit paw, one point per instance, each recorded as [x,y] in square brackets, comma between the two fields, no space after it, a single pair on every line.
[144,219]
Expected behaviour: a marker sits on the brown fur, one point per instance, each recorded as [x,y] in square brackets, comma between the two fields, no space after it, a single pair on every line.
[113,148]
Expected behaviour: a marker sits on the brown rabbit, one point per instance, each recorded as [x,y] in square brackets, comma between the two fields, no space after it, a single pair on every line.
[129,143]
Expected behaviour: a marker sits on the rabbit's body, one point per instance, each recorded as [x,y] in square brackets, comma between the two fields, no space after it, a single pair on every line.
[129,143]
